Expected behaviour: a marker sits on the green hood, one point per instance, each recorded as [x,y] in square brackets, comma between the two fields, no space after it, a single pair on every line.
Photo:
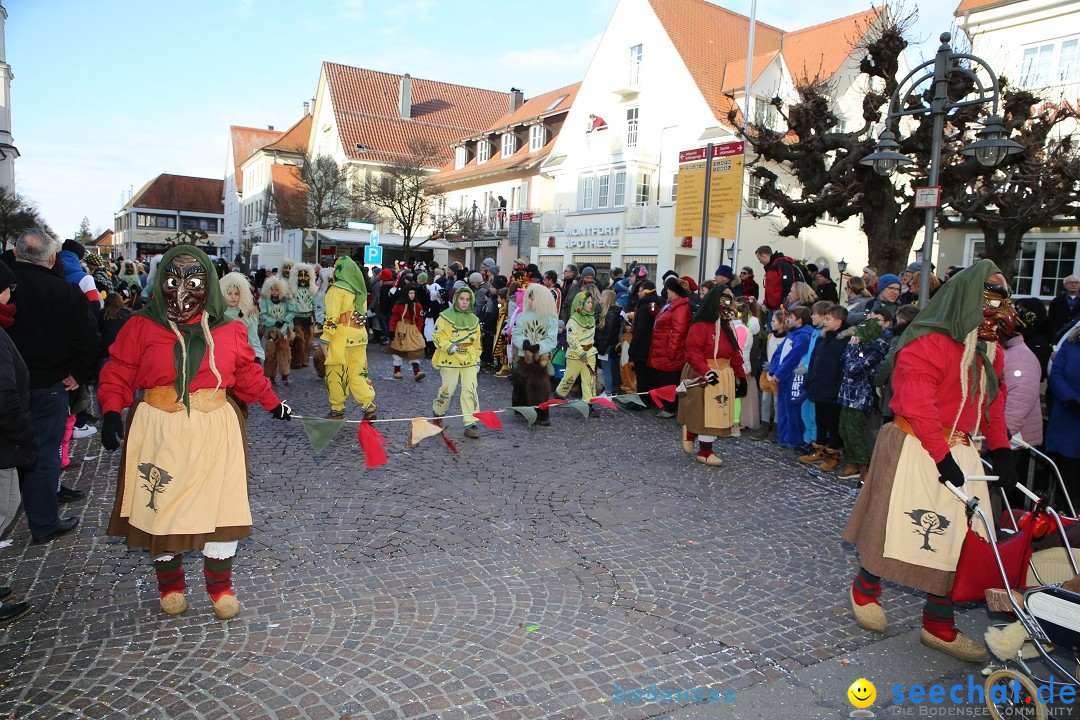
[461,318]
[956,310]
[193,337]
[348,276]
[577,311]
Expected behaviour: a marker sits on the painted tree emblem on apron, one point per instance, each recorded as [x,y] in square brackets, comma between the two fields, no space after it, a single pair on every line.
[928,523]
[154,481]
[722,400]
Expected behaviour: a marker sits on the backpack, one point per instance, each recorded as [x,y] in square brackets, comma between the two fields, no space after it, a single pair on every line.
[802,273]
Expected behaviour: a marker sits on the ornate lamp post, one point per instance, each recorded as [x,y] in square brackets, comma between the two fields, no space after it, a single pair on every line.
[990,149]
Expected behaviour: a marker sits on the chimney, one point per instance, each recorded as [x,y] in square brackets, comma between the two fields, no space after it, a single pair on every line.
[269,127]
[517,99]
[307,109]
[405,97]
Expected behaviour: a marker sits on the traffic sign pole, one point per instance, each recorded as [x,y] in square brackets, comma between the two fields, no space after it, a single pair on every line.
[705,214]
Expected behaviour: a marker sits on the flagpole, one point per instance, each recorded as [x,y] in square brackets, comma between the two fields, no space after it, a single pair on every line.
[746,117]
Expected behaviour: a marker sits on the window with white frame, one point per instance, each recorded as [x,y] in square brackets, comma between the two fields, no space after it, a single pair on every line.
[674,186]
[1069,61]
[587,184]
[461,156]
[1050,64]
[753,196]
[635,65]
[483,151]
[537,137]
[631,127]
[603,192]
[764,113]
[620,189]
[509,144]
[1041,264]
[643,188]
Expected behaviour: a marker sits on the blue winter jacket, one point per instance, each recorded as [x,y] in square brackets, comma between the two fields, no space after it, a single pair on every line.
[1064,426]
[799,341]
[860,363]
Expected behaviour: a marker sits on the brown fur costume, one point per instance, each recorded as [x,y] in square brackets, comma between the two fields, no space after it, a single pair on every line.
[530,381]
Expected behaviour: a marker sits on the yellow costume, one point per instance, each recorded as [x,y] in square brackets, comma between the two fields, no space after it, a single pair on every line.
[580,350]
[345,336]
[457,356]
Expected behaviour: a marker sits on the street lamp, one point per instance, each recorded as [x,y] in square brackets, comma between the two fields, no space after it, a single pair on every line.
[731,253]
[990,149]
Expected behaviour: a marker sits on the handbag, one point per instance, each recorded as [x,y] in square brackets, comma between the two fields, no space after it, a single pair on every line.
[407,339]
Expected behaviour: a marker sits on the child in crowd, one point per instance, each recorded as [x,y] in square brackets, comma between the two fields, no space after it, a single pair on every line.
[905,314]
[769,408]
[745,327]
[823,377]
[580,349]
[240,305]
[866,349]
[807,412]
[790,394]
[407,332]
[276,313]
[457,355]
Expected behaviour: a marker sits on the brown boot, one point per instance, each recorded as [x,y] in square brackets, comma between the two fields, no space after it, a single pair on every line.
[816,455]
[848,472]
[832,460]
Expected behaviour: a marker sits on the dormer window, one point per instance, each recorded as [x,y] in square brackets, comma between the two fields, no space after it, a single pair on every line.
[483,151]
[509,144]
[461,156]
[537,138]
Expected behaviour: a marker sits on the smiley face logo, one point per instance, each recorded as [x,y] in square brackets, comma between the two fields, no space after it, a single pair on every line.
[861,694]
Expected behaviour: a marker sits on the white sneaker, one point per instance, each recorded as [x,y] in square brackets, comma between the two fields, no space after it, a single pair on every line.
[81,431]
[735,431]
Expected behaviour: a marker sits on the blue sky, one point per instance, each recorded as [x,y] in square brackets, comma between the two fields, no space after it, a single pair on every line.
[110,93]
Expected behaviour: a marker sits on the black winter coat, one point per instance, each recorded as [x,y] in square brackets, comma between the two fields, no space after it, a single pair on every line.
[610,335]
[643,329]
[16,428]
[826,369]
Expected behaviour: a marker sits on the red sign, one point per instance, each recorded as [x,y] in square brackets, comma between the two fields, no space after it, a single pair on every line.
[521,217]
[692,155]
[329,250]
[719,150]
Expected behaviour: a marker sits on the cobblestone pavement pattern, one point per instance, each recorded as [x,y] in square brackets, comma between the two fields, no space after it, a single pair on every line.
[411,591]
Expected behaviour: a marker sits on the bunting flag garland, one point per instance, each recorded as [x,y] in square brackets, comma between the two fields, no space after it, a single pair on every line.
[658,395]
[420,429]
[372,443]
[581,406]
[632,398]
[321,431]
[526,411]
[604,400]
[449,443]
[549,403]
[489,419]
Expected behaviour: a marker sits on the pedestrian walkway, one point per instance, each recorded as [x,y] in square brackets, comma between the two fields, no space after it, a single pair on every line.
[525,577]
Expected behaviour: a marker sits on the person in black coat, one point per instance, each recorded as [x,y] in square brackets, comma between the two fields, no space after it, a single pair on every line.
[608,337]
[826,288]
[823,378]
[17,446]
[1065,308]
[1035,328]
[648,304]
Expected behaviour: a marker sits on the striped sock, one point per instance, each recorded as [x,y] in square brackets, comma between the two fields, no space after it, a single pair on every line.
[218,574]
[938,617]
[170,575]
[866,588]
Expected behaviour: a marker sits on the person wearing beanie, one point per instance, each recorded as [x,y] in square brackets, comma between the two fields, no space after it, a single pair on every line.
[667,350]
[888,296]
[724,275]
[588,276]
[407,331]
[476,279]
[826,288]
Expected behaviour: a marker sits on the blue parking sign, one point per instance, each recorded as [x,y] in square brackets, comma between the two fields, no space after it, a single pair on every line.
[373,255]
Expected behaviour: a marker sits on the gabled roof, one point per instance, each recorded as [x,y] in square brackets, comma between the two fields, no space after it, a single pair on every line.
[180,193]
[735,72]
[365,104]
[967,5]
[539,107]
[523,159]
[245,141]
[819,51]
[103,240]
[295,139]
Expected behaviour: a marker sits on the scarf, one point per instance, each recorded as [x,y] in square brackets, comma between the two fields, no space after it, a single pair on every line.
[7,315]
[577,311]
[190,347]
[462,319]
[348,276]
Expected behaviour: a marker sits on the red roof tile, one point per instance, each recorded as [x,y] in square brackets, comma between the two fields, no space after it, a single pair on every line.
[539,107]
[182,193]
[735,72]
[295,139]
[820,50]
[245,141]
[103,240]
[365,106]
[966,5]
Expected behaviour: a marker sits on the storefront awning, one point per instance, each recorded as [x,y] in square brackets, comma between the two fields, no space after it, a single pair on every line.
[360,237]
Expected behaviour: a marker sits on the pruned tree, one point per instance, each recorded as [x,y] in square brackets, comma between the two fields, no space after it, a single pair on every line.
[404,189]
[329,201]
[824,160]
[1042,186]
[84,235]
[18,213]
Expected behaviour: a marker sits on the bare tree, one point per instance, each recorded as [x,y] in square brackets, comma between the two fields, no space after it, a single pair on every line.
[18,213]
[1042,186]
[329,201]
[404,189]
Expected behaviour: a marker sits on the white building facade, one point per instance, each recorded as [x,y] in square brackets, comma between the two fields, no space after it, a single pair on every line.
[8,151]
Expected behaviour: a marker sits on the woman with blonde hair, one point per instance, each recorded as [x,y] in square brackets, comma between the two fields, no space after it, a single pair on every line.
[608,336]
[240,305]
[801,295]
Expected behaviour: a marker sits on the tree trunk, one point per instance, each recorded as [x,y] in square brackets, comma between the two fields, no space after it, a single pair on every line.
[890,230]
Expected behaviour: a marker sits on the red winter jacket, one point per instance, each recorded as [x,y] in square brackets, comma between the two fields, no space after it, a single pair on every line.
[668,349]
[779,276]
[399,312]
[701,346]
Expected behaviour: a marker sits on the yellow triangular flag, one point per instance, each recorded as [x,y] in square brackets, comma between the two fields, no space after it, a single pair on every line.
[421,428]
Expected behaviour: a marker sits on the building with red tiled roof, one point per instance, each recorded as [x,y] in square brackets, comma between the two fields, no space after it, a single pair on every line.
[168,207]
[667,77]
[258,217]
[243,142]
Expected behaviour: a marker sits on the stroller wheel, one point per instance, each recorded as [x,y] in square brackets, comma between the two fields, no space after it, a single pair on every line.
[1005,700]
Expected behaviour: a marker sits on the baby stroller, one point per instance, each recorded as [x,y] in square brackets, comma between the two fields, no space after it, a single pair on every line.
[1049,616]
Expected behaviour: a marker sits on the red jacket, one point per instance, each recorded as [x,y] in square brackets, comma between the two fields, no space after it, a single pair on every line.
[779,276]
[702,346]
[399,312]
[667,352]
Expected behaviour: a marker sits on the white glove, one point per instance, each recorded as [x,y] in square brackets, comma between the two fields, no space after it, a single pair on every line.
[451,349]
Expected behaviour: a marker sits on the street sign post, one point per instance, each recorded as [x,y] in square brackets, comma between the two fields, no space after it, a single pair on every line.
[374,239]
[373,255]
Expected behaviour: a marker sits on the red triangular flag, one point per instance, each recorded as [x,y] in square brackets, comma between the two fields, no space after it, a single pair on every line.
[372,443]
[605,401]
[548,403]
[664,393]
[489,419]
[449,443]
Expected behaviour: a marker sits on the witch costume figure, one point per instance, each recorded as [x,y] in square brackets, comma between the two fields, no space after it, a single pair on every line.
[907,527]
[303,291]
[345,339]
[535,336]
[183,473]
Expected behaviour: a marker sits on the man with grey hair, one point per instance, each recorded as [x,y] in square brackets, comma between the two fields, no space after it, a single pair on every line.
[1064,310]
[55,332]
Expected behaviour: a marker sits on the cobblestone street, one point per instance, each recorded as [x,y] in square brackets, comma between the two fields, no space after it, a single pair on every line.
[523,577]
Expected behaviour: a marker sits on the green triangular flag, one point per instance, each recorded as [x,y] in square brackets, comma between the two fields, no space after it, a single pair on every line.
[581,406]
[631,398]
[321,431]
[529,413]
